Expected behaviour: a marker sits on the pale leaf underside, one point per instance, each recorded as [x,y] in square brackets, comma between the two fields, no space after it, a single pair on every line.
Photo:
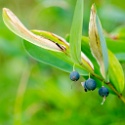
[57,43]
[14,24]
[95,44]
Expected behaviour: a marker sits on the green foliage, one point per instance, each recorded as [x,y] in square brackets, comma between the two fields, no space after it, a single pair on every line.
[76,33]
[61,51]
[14,24]
[47,98]
[58,60]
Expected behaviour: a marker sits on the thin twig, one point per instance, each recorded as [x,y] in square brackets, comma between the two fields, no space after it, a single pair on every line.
[112,87]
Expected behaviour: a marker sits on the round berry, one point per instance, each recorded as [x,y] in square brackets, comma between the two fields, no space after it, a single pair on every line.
[103,91]
[90,84]
[74,76]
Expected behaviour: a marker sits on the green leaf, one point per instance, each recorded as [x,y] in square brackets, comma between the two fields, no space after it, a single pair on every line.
[76,32]
[58,60]
[97,43]
[15,25]
[42,39]
[85,62]
[116,73]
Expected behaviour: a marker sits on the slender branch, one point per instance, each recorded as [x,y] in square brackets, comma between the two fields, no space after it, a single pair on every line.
[101,79]
[112,87]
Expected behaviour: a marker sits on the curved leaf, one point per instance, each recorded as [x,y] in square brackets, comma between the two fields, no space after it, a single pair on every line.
[45,40]
[97,42]
[14,24]
[85,62]
[53,37]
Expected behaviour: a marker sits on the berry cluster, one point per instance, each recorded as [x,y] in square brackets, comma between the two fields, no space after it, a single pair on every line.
[90,85]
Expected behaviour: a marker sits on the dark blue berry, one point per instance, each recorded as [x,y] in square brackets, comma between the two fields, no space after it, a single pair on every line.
[90,84]
[103,91]
[74,76]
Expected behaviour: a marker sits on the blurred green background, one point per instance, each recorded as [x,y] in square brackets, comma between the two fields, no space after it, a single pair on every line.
[32,93]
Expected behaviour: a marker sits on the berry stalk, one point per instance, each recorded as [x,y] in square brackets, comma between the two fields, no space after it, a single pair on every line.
[111,87]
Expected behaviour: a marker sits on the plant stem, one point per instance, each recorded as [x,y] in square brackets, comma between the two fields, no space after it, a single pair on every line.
[101,79]
[112,87]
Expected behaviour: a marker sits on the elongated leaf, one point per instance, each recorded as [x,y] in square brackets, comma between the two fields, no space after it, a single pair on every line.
[97,42]
[76,32]
[86,63]
[116,74]
[42,39]
[51,36]
[14,24]
[58,60]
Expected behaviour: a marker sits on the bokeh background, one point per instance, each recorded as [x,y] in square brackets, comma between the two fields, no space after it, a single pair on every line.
[32,93]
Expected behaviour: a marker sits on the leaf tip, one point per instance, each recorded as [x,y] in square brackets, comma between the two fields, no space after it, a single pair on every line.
[5,9]
[93,8]
[5,12]
[7,16]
